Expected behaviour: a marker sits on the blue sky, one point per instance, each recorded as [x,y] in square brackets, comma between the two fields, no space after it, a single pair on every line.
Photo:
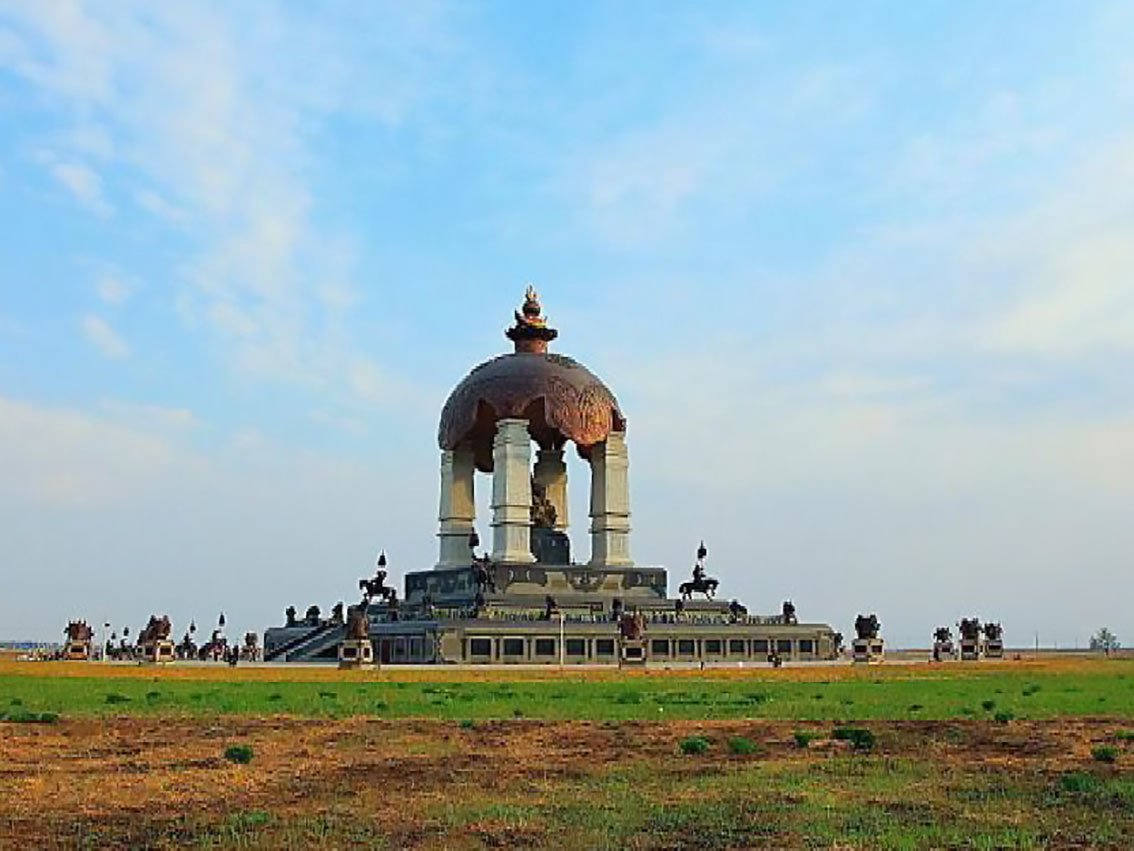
[861,276]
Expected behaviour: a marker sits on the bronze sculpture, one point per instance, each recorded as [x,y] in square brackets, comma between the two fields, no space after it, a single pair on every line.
[867,627]
[700,584]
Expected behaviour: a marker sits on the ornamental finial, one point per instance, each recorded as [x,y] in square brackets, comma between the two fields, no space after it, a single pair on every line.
[530,333]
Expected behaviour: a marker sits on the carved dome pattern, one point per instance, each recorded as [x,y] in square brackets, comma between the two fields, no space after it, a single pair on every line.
[561,399]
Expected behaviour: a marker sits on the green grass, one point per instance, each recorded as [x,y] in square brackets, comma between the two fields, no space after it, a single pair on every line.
[1096,693]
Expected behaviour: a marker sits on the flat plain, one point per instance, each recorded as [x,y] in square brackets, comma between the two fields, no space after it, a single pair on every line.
[1033,753]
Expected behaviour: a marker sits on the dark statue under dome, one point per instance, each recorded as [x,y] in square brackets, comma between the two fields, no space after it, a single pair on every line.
[527,599]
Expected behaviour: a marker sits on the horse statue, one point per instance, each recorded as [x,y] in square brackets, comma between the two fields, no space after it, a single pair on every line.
[78,631]
[789,612]
[867,627]
[157,629]
[970,629]
[993,631]
[700,584]
[377,586]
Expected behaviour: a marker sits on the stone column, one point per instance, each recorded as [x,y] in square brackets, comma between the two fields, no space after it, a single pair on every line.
[610,503]
[551,472]
[512,493]
[458,507]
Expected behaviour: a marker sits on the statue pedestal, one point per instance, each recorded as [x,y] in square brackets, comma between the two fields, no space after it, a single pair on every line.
[994,649]
[868,651]
[77,651]
[971,650]
[632,652]
[944,650]
[157,652]
[356,653]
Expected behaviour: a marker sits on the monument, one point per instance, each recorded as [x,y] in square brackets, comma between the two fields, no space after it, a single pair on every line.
[527,599]
[868,646]
[356,651]
[943,644]
[993,641]
[78,645]
[154,641]
[972,648]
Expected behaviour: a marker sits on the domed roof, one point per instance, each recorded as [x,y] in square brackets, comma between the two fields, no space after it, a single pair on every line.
[559,397]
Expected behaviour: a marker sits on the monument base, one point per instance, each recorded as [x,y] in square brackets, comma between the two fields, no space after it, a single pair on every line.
[157,652]
[356,653]
[868,651]
[994,650]
[77,651]
[632,653]
[971,651]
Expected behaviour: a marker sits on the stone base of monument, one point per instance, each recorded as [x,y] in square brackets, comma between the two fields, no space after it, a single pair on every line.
[77,651]
[944,650]
[157,652]
[994,649]
[868,651]
[356,653]
[633,652]
[971,651]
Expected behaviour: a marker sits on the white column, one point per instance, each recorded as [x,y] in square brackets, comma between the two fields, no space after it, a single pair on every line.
[512,493]
[458,507]
[610,503]
[551,472]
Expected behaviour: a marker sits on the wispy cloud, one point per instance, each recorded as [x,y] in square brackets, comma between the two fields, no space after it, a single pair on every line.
[103,337]
[85,186]
[113,290]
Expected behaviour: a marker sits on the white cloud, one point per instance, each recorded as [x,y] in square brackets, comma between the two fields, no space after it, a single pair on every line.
[153,202]
[103,337]
[113,290]
[85,185]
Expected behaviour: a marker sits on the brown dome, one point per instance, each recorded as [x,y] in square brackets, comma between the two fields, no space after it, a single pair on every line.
[559,397]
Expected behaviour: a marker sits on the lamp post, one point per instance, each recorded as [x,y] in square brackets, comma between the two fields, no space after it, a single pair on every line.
[562,631]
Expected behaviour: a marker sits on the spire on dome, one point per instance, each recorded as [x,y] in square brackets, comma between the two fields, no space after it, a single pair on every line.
[530,333]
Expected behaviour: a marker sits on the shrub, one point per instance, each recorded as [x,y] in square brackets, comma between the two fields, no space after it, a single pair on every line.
[153,695]
[1030,689]
[804,737]
[517,713]
[15,701]
[694,745]
[238,753]
[860,738]
[275,696]
[1105,753]
[915,707]
[1124,735]
[22,716]
[741,746]
[1003,716]
[117,698]
[467,724]
[988,705]
[328,695]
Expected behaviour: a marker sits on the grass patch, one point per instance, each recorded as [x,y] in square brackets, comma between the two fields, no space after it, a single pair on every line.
[860,738]
[23,716]
[241,754]
[1104,753]
[803,738]
[988,705]
[694,745]
[115,698]
[741,746]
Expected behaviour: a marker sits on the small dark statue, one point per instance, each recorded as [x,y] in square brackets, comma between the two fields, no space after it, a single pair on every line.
[290,613]
[700,584]
[942,634]
[993,631]
[970,629]
[632,627]
[736,612]
[867,627]
[789,612]
[544,514]
[377,586]
[337,613]
[482,567]
[549,607]
[312,616]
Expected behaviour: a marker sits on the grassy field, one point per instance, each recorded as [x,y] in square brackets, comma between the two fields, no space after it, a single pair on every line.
[1006,755]
[1024,690]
